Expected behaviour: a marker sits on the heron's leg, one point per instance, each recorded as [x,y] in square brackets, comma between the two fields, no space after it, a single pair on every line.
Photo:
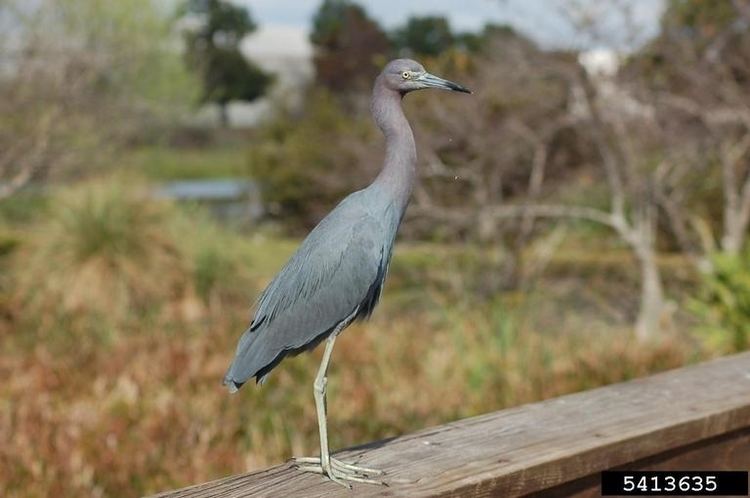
[319,392]
[336,470]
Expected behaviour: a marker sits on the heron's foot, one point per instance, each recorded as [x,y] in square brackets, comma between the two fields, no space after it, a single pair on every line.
[338,471]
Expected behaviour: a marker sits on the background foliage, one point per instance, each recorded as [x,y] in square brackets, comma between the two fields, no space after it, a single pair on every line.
[213,50]
[558,210]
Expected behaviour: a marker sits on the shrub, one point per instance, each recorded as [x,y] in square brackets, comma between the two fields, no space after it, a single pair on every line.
[306,164]
[100,253]
[107,257]
[724,302]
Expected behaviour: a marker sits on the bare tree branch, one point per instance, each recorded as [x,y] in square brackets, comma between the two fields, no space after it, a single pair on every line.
[555,211]
[608,155]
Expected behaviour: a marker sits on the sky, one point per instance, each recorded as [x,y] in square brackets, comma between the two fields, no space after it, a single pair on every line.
[284,23]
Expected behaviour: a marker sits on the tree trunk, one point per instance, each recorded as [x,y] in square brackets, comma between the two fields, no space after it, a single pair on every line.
[734,232]
[224,114]
[652,297]
[487,229]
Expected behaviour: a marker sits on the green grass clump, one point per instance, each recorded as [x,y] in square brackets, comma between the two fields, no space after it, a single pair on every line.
[106,257]
[724,302]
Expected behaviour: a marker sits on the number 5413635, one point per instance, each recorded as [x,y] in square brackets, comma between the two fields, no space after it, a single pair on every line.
[655,484]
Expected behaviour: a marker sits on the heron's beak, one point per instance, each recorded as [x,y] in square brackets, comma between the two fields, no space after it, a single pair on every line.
[432,81]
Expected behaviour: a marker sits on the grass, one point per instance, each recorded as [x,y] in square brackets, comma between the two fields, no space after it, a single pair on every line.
[119,315]
[169,163]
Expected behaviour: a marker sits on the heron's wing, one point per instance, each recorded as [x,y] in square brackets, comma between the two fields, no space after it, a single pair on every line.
[337,270]
[332,268]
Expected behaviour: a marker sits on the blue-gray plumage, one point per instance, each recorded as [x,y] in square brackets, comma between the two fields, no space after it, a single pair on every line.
[337,274]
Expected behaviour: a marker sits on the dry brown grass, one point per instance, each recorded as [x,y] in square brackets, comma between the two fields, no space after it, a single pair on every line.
[148,413]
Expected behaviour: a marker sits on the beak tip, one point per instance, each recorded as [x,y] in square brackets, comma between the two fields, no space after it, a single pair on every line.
[458,88]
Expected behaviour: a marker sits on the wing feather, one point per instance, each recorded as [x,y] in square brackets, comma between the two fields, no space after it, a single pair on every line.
[337,270]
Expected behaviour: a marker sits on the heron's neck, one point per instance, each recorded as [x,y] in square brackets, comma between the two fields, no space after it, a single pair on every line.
[399,168]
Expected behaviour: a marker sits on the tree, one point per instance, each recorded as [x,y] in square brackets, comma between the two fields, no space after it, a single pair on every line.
[696,74]
[541,115]
[350,46]
[490,34]
[213,51]
[306,163]
[80,78]
[666,128]
[429,35]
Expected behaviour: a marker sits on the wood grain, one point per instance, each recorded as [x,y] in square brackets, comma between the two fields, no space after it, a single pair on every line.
[729,451]
[697,416]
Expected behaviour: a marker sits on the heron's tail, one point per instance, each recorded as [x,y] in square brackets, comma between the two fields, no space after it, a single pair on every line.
[249,359]
[232,385]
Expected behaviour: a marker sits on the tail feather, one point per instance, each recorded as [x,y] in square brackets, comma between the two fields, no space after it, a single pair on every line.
[249,361]
[232,385]
[259,350]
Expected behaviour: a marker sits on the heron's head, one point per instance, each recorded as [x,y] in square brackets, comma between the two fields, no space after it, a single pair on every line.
[406,75]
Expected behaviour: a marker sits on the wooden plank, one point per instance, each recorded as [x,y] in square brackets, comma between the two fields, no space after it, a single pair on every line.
[726,452]
[535,447]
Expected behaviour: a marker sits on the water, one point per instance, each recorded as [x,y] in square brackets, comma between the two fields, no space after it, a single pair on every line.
[231,200]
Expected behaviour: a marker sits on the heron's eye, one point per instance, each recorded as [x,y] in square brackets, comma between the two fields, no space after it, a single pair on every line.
[405,75]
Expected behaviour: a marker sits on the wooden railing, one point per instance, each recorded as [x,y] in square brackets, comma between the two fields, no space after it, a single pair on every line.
[697,417]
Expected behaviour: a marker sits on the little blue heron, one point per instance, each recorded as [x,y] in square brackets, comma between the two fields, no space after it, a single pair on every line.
[337,274]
